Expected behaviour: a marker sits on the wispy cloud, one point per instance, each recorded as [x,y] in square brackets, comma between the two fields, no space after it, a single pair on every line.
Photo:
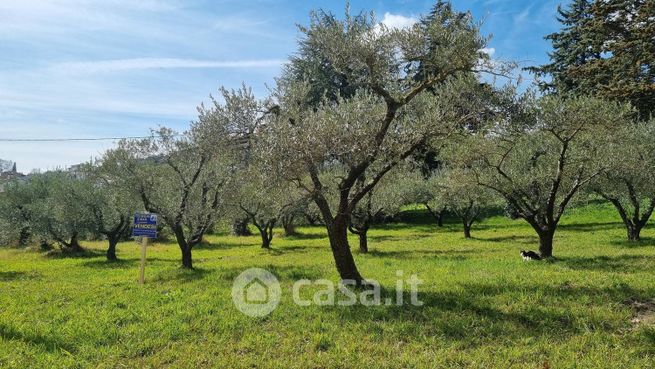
[523,15]
[97,68]
[118,65]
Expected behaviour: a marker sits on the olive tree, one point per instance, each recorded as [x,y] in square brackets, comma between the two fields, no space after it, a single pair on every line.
[539,153]
[463,197]
[176,177]
[383,201]
[296,208]
[630,184]
[424,189]
[16,209]
[240,226]
[264,201]
[260,198]
[60,213]
[388,116]
[311,214]
[110,204]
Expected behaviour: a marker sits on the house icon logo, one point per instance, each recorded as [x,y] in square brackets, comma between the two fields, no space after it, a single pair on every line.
[256,292]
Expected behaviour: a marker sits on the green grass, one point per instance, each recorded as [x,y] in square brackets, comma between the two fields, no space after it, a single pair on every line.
[484,307]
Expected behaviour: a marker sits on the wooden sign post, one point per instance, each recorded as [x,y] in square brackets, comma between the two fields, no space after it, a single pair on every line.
[142,272]
[145,226]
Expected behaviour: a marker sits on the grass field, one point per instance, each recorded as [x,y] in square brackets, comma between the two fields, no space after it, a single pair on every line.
[484,307]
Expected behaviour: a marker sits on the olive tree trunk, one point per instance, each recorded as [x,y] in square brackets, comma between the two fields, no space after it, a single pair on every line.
[343,257]
[362,233]
[111,250]
[290,229]
[240,227]
[634,233]
[74,245]
[363,242]
[266,232]
[185,247]
[187,260]
[546,242]
[467,229]
[635,221]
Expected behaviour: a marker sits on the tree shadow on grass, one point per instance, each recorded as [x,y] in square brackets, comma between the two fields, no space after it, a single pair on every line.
[621,263]
[249,241]
[644,242]
[46,343]
[124,263]
[282,273]
[426,229]
[517,223]
[277,251]
[18,276]
[420,254]
[471,313]
[114,264]
[86,254]
[594,226]
[182,275]
[413,236]
[525,240]
[306,236]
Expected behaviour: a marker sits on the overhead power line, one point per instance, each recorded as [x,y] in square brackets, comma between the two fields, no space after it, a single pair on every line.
[71,139]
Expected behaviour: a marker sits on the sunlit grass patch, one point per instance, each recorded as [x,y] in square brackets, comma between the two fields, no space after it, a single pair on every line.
[483,306]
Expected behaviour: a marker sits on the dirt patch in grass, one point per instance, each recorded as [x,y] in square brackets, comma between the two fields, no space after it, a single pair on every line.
[644,312]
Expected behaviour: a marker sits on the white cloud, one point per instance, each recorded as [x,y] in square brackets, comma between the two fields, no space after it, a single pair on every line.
[117,65]
[489,51]
[398,21]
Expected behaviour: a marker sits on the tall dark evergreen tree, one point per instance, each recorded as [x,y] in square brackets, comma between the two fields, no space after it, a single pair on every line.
[623,32]
[607,49]
[571,49]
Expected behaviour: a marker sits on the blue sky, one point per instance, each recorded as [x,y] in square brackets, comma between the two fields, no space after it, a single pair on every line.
[106,68]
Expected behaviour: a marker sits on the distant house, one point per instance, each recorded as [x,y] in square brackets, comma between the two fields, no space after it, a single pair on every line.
[11,175]
[76,171]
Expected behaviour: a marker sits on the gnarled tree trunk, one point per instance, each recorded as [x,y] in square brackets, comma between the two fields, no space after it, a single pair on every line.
[111,250]
[467,229]
[289,227]
[266,232]
[436,214]
[362,233]
[363,242]
[114,235]
[240,227]
[343,257]
[634,232]
[185,247]
[266,241]
[469,215]
[74,245]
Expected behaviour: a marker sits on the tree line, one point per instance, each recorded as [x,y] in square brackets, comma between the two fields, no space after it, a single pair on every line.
[363,120]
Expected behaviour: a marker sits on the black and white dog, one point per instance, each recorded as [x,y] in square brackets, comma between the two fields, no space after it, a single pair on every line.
[530,255]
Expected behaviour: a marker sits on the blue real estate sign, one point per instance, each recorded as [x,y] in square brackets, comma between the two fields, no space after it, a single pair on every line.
[145,225]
